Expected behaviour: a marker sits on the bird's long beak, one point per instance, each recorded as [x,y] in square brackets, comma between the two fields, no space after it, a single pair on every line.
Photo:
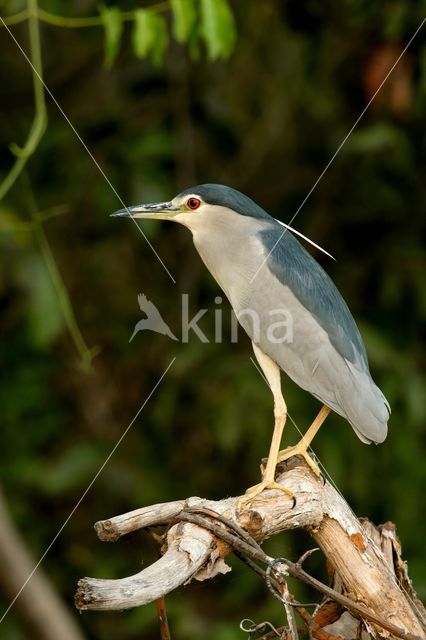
[155,211]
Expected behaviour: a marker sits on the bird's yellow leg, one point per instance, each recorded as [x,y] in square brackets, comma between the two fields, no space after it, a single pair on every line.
[272,374]
[301,448]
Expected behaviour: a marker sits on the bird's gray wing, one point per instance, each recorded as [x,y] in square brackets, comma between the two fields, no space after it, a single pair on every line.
[297,269]
[340,375]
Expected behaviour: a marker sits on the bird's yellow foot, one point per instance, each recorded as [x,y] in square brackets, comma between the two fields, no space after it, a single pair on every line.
[252,492]
[299,450]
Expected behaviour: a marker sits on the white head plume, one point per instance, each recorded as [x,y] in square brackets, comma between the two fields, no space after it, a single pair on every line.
[297,233]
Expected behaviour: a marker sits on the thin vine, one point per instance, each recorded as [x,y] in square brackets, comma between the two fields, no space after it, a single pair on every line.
[70,22]
[86,354]
[39,123]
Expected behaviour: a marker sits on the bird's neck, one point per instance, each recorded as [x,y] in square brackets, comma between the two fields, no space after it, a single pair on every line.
[232,252]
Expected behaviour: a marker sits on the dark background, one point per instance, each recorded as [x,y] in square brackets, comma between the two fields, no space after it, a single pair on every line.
[265,121]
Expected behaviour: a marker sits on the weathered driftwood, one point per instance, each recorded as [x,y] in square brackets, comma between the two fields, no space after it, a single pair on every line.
[363,563]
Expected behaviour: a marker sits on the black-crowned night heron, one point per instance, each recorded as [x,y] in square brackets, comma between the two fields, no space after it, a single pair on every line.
[262,269]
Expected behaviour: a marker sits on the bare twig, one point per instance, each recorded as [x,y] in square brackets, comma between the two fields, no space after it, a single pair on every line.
[295,570]
[161,602]
[162,619]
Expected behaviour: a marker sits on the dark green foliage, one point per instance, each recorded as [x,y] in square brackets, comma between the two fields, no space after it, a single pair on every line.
[265,121]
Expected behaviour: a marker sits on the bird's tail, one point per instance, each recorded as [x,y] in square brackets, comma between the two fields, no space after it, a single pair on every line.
[365,407]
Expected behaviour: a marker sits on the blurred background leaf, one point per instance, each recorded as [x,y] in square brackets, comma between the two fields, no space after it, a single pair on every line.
[150,35]
[218,28]
[184,18]
[111,18]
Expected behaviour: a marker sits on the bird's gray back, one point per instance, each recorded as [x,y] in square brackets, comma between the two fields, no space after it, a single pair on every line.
[326,355]
[296,268]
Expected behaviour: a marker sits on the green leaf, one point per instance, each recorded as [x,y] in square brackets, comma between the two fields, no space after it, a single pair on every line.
[218,28]
[184,18]
[149,35]
[161,40]
[11,223]
[113,25]
[143,35]
[70,469]
[44,316]
[194,47]
[380,136]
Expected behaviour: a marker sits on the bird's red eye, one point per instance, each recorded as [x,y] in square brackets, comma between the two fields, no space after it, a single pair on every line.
[193,203]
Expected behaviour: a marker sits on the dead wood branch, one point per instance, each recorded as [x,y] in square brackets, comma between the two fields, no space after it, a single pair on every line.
[196,548]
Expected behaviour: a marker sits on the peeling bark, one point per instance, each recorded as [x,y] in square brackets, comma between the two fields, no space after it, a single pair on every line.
[366,561]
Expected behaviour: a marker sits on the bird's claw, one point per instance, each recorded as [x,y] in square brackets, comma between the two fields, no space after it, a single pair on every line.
[299,451]
[252,492]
